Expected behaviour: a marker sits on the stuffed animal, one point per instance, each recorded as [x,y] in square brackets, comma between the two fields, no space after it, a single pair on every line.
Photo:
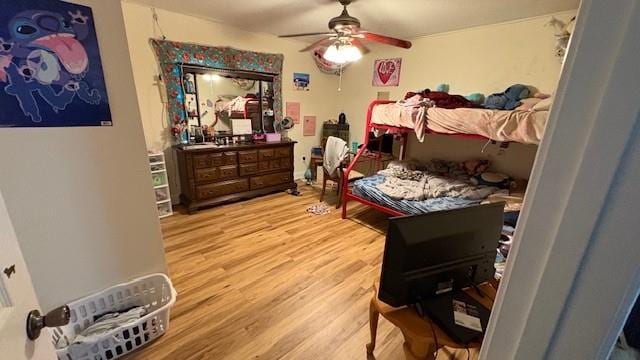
[476,98]
[509,99]
[443,88]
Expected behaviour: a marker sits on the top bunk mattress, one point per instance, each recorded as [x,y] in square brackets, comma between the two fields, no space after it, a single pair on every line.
[525,127]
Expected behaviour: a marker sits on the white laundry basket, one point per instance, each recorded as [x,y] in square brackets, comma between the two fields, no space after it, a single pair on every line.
[154,292]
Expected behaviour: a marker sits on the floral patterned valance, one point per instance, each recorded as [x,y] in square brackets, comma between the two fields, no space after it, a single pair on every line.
[172,55]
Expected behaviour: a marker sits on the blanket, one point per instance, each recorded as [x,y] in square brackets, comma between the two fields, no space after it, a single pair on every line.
[443,99]
[526,127]
[409,113]
[404,183]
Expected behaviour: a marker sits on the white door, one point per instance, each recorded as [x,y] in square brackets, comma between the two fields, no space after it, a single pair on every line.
[17,298]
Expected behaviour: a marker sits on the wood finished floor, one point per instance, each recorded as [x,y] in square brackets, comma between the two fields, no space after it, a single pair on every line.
[263,279]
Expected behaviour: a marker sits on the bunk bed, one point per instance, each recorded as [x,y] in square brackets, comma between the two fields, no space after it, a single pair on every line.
[239,107]
[470,123]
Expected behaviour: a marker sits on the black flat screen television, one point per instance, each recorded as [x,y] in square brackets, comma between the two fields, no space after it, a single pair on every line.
[434,253]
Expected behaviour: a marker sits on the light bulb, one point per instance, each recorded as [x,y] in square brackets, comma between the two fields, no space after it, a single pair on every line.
[342,53]
[334,54]
[350,53]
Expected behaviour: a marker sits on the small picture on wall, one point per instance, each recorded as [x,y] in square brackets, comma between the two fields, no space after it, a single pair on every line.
[293,111]
[309,126]
[301,81]
[386,72]
[50,67]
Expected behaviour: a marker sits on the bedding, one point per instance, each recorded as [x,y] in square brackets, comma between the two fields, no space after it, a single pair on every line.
[501,125]
[236,104]
[525,127]
[404,182]
[367,188]
[409,113]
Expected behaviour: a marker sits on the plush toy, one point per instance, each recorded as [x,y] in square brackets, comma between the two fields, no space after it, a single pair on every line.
[509,99]
[443,88]
[476,98]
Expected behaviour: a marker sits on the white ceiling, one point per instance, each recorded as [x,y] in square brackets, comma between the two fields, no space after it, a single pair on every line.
[401,18]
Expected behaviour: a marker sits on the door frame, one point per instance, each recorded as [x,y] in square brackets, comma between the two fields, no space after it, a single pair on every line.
[558,250]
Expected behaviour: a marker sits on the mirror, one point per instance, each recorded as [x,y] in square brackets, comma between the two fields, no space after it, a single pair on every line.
[207,64]
[213,98]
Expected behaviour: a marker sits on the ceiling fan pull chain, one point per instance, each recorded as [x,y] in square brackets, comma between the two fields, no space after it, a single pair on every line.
[340,80]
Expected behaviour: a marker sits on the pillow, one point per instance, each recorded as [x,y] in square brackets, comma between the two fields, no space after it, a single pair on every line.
[540,95]
[529,103]
[544,104]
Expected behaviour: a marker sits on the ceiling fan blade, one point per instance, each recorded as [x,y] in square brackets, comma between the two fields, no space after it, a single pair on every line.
[357,43]
[385,39]
[325,41]
[308,34]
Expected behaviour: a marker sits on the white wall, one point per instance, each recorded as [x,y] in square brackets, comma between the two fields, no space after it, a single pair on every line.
[320,101]
[81,198]
[482,59]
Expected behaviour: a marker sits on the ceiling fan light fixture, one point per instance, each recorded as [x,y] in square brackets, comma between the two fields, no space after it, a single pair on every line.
[339,53]
[351,53]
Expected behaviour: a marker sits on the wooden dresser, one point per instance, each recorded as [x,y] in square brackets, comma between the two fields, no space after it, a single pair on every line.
[211,175]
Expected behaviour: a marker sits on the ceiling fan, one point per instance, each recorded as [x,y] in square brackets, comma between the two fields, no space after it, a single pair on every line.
[344,41]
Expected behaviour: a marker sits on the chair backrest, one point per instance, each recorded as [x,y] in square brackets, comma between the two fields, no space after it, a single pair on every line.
[335,152]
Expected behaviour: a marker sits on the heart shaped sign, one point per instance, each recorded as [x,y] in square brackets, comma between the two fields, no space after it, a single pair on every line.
[387,72]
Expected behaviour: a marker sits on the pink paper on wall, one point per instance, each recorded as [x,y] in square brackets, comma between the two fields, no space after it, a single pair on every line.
[293,111]
[309,126]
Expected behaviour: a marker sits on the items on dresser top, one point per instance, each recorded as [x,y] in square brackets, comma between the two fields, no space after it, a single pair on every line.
[212,174]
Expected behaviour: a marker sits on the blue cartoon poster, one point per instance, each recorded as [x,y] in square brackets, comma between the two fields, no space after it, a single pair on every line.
[50,68]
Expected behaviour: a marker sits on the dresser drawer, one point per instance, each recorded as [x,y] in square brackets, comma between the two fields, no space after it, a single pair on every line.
[201,161]
[207,175]
[263,166]
[230,158]
[228,171]
[248,169]
[285,163]
[266,154]
[216,159]
[222,188]
[274,164]
[248,156]
[282,152]
[264,181]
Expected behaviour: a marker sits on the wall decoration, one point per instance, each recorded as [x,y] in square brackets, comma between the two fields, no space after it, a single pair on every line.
[301,81]
[172,55]
[386,72]
[563,31]
[293,111]
[383,95]
[50,68]
[309,126]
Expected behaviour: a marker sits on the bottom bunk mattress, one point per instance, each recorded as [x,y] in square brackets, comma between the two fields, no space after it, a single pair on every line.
[367,188]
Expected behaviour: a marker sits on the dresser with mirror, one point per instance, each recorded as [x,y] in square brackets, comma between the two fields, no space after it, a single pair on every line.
[223,104]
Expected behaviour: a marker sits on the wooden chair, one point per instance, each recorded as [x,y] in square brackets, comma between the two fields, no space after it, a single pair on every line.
[337,176]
